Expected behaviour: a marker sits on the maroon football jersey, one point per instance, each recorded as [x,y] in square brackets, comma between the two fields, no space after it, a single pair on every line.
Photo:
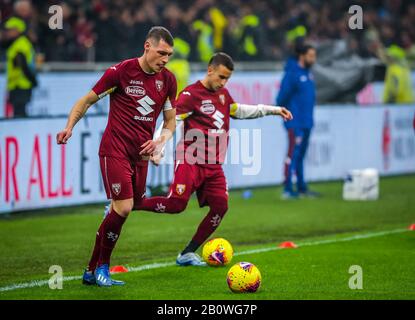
[136,100]
[206,124]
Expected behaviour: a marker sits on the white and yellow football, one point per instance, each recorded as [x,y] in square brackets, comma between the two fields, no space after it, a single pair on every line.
[244,277]
[217,252]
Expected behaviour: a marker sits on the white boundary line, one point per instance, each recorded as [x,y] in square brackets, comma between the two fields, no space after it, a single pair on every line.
[41,283]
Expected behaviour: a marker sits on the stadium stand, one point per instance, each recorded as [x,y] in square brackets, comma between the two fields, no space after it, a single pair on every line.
[103,30]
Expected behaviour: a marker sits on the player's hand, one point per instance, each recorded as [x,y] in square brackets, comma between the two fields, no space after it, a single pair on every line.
[156,157]
[150,146]
[285,114]
[63,136]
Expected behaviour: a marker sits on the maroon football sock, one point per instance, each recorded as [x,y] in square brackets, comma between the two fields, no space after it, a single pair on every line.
[192,246]
[111,229]
[97,248]
[218,208]
[162,205]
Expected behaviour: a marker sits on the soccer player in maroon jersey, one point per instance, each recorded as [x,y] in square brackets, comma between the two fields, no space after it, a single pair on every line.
[140,89]
[205,107]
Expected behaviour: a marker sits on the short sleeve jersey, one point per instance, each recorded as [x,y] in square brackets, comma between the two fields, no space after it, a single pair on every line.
[136,100]
[206,113]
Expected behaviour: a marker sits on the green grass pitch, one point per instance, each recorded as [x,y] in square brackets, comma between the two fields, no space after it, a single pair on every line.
[332,235]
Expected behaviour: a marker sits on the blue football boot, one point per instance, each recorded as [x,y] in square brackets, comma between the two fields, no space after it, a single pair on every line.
[88,278]
[103,278]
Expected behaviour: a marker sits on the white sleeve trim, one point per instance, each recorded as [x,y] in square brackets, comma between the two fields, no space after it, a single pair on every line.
[247,111]
[167,105]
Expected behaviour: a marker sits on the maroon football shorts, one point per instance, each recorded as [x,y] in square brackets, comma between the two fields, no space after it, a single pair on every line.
[123,179]
[208,181]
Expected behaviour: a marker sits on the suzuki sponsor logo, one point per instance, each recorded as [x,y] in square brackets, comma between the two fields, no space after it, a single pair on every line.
[146,104]
[135,91]
[218,116]
[145,108]
[148,119]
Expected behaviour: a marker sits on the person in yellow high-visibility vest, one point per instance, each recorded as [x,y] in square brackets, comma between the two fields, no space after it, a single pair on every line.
[204,43]
[250,37]
[249,25]
[20,56]
[179,64]
[219,23]
[398,84]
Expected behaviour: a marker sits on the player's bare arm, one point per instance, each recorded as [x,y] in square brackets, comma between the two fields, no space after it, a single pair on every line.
[77,112]
[246,111]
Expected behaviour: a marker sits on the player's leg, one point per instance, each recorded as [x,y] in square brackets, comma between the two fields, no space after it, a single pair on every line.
[179,194]
[89,276]
[117,177]
[218,206]
[168,204]
[289,166]
[301,184]
[109,173]
[302,149]
[111,228]
[19,99]
[214,194]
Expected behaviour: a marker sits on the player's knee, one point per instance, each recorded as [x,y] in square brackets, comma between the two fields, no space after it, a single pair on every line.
[124,211]
[178,206]
[123,207]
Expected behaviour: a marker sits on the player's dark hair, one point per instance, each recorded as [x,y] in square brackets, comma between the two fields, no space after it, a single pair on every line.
[223,59]
[160,33]
[302,49]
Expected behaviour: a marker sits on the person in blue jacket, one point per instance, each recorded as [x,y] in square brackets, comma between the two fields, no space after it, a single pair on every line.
[298,94]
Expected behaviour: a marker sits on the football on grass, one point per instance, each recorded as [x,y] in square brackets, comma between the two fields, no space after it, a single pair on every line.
[244,277]
[217,252]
